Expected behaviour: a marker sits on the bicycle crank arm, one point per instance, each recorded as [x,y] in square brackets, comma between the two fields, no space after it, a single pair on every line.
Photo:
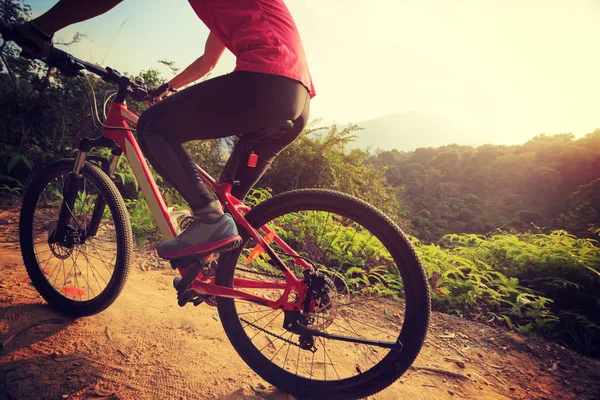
[397,345]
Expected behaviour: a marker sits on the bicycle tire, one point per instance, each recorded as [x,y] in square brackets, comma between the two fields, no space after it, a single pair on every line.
[124,242]
[417,294]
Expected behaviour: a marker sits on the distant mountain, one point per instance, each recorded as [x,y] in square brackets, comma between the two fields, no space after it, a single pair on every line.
[411,130]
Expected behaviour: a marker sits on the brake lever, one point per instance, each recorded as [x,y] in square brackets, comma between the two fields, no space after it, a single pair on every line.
[64,62]
[139,92]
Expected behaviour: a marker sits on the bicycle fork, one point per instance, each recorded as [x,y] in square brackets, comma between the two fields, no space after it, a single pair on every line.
[70,191]
[100,203]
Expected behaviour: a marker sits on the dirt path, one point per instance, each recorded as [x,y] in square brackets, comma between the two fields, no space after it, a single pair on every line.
[146,347]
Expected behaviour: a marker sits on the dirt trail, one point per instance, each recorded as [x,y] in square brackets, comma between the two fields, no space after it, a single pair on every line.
[146,347]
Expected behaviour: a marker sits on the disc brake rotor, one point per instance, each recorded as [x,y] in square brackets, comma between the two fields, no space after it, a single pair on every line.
[325,309]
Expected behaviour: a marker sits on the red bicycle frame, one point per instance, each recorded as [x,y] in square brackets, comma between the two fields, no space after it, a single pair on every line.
[120,116]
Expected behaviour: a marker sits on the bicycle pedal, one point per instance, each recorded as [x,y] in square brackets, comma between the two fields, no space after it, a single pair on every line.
[176,281]
[186,262]
[199,300]
[186,297]
[231,246]
[191,296]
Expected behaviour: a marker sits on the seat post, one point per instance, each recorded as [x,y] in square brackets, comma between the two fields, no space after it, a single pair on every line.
[246,146]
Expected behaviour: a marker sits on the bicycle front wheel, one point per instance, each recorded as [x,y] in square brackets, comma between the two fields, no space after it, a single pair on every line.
[83,272]
[373,291]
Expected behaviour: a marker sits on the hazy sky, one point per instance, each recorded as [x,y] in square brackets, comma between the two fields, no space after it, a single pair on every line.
[509,69]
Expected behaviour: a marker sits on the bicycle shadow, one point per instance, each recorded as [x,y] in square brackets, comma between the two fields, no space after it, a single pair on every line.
[74,375]
[35,363]
[23,325]
[257,394]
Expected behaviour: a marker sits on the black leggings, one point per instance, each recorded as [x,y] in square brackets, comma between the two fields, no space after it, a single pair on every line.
[252,105]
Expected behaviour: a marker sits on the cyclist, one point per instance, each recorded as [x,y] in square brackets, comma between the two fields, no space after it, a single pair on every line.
[270,86]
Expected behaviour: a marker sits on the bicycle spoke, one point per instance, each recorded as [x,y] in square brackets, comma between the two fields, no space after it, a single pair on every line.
[76,283]
[358,302]
[73,216]
[100,258]
[357,285]
[282,346]
[335,345]
[275,317]
[357,334]
[324,361]
[253,312]
[86,280]
[287,352]
[89,264]
[92,265]
[45,268]
[297,360]
[64,276]
[312,364]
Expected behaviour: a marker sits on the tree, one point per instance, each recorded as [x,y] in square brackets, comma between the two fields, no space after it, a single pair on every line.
[14,11]
[584,209]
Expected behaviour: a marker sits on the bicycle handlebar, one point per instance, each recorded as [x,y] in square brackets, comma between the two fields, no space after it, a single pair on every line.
[70,65]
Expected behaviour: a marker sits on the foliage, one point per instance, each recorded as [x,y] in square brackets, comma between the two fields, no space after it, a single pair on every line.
[142,222]
[320,158]
[543,283]
[342,249]
[548,283]
[257,196]
[550,181]
[14,11]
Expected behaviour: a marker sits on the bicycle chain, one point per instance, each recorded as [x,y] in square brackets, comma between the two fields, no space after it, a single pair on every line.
[261,328]
[269,333]
[259,273]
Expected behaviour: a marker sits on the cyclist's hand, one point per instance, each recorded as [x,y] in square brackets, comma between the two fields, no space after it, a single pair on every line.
[35,43]
[161,91]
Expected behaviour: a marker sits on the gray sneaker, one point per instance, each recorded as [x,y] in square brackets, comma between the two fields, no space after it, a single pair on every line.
[201,238]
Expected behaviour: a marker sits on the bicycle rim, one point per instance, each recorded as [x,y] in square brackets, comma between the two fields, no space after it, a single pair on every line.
[81,268]
[351,248]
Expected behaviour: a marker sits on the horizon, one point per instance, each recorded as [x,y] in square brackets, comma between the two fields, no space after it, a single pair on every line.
[457,61]
[360,141]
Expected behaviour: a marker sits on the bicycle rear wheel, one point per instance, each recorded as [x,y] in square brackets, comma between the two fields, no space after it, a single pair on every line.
[375,291]
[84,272]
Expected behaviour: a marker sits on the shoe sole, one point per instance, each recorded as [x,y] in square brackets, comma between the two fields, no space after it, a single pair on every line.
[203,249]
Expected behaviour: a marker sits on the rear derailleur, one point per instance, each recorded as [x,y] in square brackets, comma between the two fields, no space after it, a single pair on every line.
[318,297]
[294,321]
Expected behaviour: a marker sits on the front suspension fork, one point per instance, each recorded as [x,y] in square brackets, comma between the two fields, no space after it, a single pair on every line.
[70,191]
[69,195]
[100,203]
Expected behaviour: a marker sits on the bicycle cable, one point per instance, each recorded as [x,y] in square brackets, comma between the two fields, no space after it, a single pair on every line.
[107,100]
[283,253]
[94,109]
[89,102]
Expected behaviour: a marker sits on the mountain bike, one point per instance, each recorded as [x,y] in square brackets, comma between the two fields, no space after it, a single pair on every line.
[324,298]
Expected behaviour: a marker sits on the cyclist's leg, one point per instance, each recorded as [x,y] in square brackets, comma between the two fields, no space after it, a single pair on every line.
[234,104]
[36,36]
[267,149]
[237,103]
[68,12]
